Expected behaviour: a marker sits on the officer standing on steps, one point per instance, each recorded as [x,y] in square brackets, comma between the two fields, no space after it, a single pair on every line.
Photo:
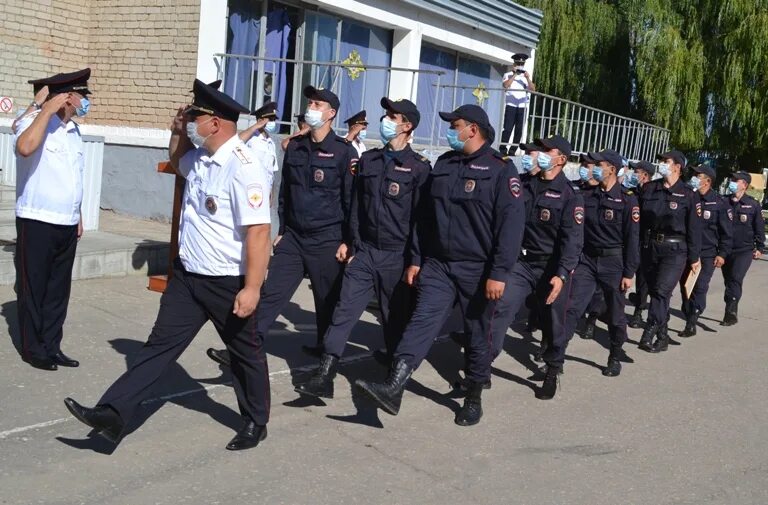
[611,254]
[716,239]
[748,242]
[470,226]
[670,231]
[314,206]
[223,253]
[49,191]
[552,242]
[643,173]
[388,188]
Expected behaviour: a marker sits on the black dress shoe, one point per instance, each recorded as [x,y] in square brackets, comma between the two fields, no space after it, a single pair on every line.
[248,437]
[219,356]
[63,360]
[42,363]
[101,418]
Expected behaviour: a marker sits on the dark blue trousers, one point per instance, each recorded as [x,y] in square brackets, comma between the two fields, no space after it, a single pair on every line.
[734,271]
[664,264]
[371,271]
[189,301]
[698,299]
[525,279]
[440,285]
[293,257]
[601,274]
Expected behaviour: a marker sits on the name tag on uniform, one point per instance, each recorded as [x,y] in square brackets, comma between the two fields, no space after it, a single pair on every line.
[325,155]
[402,169]
[678,194]
[477,167]
[550,194]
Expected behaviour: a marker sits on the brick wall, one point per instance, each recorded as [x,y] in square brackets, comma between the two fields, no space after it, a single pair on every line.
[143,54]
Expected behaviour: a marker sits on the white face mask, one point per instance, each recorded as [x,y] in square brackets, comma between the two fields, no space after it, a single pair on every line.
[314,118]
[193,134]
[271,127]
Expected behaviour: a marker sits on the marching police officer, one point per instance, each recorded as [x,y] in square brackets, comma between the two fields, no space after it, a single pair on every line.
[528,161]
[716,238]
[748,242]
[552,242]
[611,253]
[469,228]
[670,226]
[387,192]
[586,164]
[642,173]
[314,206]
[223,253]
[49,192]
[357,131]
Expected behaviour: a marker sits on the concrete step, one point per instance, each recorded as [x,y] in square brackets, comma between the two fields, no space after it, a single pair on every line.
[7,194]
[102,254]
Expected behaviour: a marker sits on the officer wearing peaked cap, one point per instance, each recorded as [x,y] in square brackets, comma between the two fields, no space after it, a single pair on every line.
[258,137]
[223,252]
[469,229]
[670,234]
[357,131]
[49,189]
[642,173]
[388,189]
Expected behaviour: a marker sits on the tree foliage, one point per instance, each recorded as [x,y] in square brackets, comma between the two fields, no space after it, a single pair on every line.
[697,67]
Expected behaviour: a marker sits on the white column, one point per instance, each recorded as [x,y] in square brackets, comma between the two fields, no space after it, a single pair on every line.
[406,50]
[212,38]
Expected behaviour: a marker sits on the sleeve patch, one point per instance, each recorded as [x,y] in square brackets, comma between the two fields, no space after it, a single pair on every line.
[698,209]
[578,215]
[353,166]
[730,214]
[514,186]
[255,195]
[636,214]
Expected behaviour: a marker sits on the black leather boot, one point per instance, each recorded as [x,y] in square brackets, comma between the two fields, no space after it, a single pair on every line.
[690,323]
[321,382]
[662,340]
[589,327]
[102,418]
[731,310]
[636,321]
[472,410]
[614,364]
[549,386]
[388,395]
[646,341]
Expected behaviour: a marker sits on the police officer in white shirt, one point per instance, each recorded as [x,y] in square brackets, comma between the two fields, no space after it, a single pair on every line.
[49,190]
[357,130]
[518,83]
[258,137]
[224,241]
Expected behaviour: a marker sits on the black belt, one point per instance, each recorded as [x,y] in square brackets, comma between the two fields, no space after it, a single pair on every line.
[535,258]
[661,238]
[603,251]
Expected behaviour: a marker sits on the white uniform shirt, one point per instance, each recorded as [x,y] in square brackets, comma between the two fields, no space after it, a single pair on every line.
[224,193]
[264,149]
[359,146]
[49,182]
[517,93]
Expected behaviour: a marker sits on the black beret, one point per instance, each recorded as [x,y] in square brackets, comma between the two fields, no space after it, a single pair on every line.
[211,101]
[358,118]
[266,110]
[405,107]
[323,95]
[557,142]
[63,83]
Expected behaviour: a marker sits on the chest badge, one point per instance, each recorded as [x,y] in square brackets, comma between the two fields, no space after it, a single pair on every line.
[319,175]
[469,185]
[636,214]
[210,205]
[743,218]
[673,205]
[544,215]
[394,189]
[707,214]
[608,214]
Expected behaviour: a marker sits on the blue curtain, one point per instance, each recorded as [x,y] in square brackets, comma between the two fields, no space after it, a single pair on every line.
[430,98]
[322,29]
[239,74]
[278,33]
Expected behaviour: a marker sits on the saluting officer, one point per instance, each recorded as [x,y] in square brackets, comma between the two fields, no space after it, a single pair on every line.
[670,230]
[387,192]
[469,229]
[642,173]
[223,253]
[748,242]
[258,137]
[357,131]
[314,207]
[716,241]
[611,254]
[552,242]
[49,192]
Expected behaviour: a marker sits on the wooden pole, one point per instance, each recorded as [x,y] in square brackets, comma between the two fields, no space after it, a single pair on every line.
[159,282]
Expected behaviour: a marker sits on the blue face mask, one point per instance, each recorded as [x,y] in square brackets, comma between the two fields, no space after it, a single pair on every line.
[545,162]
[597,173]
[271,127]
[85,106]
[630,181]
[694,183]
[732,187]
[452,136]
[362,134]
[584,174]
[526,162]
[387,129]
[664,169]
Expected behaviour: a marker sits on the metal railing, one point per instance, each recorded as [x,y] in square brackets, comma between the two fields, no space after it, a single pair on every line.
[587,128]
